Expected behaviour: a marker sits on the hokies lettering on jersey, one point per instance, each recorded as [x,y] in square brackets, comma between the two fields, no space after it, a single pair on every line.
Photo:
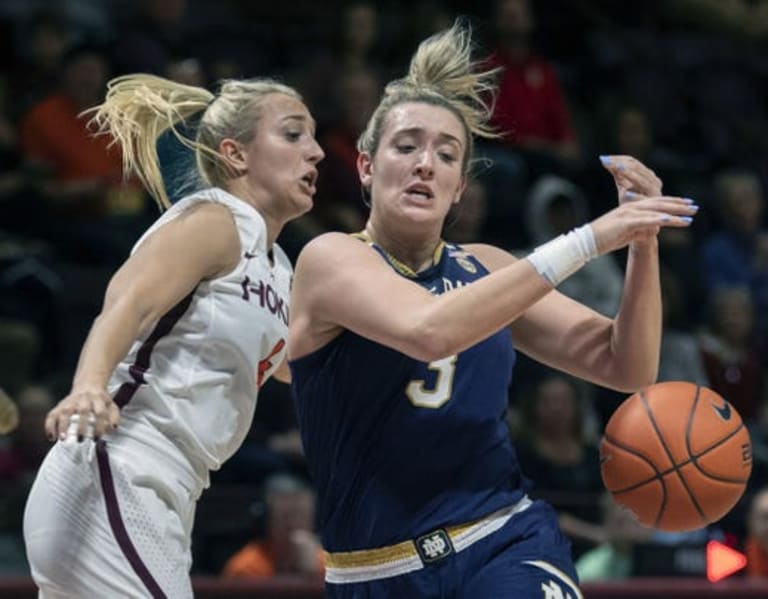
[267,296]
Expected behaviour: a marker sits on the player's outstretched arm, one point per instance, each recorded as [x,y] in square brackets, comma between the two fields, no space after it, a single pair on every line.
[165,269]
[341,283]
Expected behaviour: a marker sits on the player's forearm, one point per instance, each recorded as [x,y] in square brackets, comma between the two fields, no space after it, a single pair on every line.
[108,342]
[636,335]
[460,318]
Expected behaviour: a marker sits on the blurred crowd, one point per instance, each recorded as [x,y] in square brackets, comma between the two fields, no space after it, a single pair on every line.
[677,84]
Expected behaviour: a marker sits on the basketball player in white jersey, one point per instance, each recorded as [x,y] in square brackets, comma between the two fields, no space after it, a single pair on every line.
[192,324]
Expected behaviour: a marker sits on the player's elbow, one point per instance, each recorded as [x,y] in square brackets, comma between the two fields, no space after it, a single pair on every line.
[428,344]
[636,377]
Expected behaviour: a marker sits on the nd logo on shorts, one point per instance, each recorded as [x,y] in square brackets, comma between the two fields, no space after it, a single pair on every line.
[434,546]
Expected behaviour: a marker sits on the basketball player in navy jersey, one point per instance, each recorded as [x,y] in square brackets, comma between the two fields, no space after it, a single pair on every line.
[192,324]
[402,347]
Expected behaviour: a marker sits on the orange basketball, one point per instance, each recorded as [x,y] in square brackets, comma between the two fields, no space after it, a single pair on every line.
[677,455]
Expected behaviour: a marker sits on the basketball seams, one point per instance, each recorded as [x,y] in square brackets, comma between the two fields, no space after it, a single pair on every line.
[675,466]
[695,457]
[646,459]
[696,487]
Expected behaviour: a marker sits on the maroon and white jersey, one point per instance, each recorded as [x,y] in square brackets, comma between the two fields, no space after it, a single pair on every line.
[188,386]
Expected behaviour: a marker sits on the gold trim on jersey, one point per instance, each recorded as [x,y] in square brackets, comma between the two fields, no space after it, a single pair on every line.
[383,555]
[399,266]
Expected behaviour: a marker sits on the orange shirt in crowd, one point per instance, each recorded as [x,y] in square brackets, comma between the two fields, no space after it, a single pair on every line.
[255,560]
[52,132]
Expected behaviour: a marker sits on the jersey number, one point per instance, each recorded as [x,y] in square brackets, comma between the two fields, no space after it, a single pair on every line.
[266,363]
[422,397]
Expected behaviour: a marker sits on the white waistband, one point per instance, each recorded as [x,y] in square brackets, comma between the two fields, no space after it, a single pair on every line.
[405,557]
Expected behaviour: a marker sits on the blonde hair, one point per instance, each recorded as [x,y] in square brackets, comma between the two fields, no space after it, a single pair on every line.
[441,73]
[139,108]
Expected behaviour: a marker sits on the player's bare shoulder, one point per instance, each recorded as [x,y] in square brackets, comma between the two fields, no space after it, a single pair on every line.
[490,256]
[331,251]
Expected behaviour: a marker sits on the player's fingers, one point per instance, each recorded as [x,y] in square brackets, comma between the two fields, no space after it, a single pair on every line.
[62,423]
[100,413]
[671,204]
[51,425]
[113,415]
[85,413]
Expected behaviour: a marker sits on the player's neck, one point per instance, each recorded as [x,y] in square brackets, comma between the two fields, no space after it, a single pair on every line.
[415,254]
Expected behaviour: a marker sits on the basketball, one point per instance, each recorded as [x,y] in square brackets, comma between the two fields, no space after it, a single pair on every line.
[677,455]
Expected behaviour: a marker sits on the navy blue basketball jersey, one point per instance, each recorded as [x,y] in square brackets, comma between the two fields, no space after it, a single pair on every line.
[397,447]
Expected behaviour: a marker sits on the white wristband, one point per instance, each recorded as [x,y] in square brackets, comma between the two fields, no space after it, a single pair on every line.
[558,259]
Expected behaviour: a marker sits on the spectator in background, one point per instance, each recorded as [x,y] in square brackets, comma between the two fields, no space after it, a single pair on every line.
[727,348]
[85,188]
[758,434]
[44,42]
[290,545]
[530,110]
[154,38]
[273,445]
[554,207]
[557,451]
[531,115]
[737,256]
[340,204]
[612,558]
[757,539]
[680,359]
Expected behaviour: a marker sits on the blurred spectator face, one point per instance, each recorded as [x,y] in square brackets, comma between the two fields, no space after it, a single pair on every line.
[361,25]
[633,133]
[47,44]
[359,93]
[742,205]
[165,12]
[556,408]
[84,79]
[733,315]
[757,520]
[513,19]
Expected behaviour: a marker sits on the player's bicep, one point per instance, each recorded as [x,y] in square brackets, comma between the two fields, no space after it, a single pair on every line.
[175,259]
[344,283]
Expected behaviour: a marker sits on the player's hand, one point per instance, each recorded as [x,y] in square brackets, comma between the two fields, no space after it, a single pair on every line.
[86,413]
[640,219]
[629,174]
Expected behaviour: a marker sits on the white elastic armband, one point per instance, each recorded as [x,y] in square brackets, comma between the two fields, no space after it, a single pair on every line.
[558,259]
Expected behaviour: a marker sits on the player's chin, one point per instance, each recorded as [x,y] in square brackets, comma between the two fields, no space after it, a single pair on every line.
[302,202]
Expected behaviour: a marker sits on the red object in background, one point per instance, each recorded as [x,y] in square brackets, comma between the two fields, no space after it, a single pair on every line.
[722,561]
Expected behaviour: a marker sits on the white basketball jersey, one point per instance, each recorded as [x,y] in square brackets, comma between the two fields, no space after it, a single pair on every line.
[188,386]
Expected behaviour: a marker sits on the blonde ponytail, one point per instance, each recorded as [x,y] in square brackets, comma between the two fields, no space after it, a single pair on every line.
[136,111]
[139,108]
[442,73]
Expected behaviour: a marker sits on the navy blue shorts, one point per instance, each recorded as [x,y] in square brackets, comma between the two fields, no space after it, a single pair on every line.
[528,558]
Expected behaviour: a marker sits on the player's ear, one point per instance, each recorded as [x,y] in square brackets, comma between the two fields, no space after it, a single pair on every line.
[460,189]
[365,169]
[234,156]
